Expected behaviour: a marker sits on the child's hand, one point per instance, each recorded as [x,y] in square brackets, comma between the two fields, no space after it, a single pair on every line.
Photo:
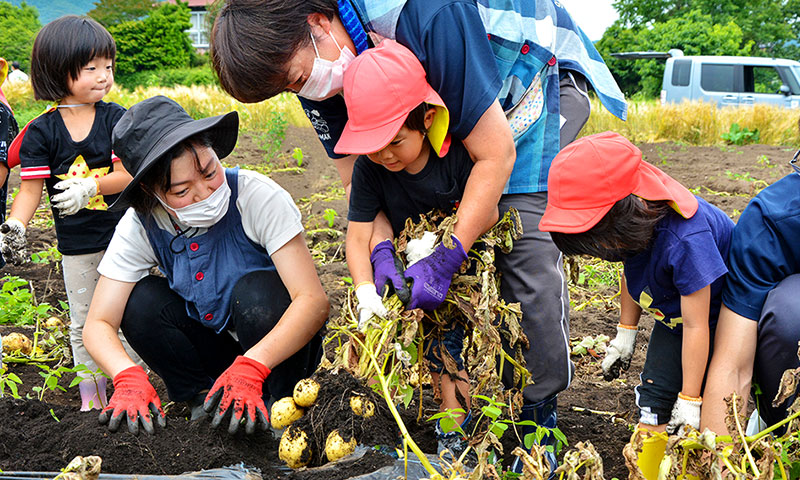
[369,304]
[432,275]
[685,411]
[388,270]
[76,195]
[12,241]
[619,352]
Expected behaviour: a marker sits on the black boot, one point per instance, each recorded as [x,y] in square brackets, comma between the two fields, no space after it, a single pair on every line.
[544,414]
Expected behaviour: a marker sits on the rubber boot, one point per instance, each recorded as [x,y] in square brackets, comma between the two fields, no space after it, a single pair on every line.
[544,414]
[653,450]
[93,393]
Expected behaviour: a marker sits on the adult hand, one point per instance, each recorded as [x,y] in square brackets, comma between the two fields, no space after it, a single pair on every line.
[76,195]
[240,389]
[369,304]
[135,399]
[619,352]
[430,277]
[388,270]
[12,241]
[685,411]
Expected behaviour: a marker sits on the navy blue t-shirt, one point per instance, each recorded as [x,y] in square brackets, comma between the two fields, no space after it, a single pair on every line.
[463,73]
[400,195]
[687,254]
[765,247]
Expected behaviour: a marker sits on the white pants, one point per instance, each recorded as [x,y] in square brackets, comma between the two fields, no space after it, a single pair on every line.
[80,280]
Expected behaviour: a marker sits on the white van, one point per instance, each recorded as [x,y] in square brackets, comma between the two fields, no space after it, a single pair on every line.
[731,80]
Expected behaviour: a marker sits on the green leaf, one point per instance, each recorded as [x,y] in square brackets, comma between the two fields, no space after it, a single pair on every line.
[491,411]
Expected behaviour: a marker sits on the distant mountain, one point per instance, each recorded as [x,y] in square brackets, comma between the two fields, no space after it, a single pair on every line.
[52,9]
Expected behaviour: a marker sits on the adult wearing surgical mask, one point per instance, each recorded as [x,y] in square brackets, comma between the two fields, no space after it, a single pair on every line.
[234,321]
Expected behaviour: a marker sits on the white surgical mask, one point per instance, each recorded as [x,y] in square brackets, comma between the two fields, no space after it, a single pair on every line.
[206,212]
[326,77]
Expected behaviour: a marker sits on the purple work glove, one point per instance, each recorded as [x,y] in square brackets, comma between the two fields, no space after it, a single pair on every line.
[388,270]
[430,277]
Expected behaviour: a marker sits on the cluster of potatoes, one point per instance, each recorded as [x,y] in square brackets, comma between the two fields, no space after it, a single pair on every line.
[295,445]
[17,342]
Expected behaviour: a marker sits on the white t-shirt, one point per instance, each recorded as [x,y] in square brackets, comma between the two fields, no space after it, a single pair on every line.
[269,217]
[17,76]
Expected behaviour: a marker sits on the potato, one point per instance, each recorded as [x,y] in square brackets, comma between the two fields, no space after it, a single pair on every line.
[305,392]
[336,447]
[362,406]
[17,342]
[54,322]
[284,412]
[294,448]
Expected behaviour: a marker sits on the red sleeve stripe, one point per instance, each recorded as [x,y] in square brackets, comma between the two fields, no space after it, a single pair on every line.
[30,173]
[114,157]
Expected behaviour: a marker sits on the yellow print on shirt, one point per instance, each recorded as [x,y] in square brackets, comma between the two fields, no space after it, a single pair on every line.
[645,300]
[79,169]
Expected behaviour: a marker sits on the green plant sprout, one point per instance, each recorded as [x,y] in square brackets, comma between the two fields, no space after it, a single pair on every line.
[738,135]
[330,215]
[19,305]
[11,382]
[51,377]
[46,256]
[297,154]
[763,162]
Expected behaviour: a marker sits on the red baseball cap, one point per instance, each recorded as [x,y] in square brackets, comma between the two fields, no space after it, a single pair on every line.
[381,87]
[593,173]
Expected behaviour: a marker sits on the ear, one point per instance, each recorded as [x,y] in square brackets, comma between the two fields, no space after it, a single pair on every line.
[319,23]
[430,114]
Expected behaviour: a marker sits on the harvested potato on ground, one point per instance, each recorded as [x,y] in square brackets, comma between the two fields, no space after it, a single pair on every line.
[305,392]
[294,448]
[54,322]
[336,447]
[362,406]
[284,412]
[17,341]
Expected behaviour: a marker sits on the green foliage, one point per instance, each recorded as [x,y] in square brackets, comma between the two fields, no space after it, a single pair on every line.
[738,135]
[17,305]
[271,141]
[156,42]
[168,77]
[330,216]
[18,26]
[11,382]
[694,32]
[113,12]
[49,10]
[297,154]
[51,377]
[46,256]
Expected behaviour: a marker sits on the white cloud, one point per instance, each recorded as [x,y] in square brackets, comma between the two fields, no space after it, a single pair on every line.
[593,16]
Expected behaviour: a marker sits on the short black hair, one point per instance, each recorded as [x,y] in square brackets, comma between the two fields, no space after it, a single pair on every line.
[15,64]
[252,42]
[159,177]
[416,118]
[626,230]
[61,49]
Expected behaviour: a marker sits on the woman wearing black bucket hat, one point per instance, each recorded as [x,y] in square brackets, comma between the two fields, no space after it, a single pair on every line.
[235,319]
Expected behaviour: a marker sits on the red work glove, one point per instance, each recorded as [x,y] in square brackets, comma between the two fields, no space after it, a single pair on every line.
[134,395]
[241,386]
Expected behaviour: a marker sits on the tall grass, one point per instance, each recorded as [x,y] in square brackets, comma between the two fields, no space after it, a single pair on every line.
[199,101]
[694,123]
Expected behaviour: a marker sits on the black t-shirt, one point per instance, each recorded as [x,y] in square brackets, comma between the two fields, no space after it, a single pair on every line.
[440,184]
[48,151]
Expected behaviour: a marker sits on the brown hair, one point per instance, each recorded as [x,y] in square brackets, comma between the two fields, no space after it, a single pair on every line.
[252,42]
[61,49]
[624,231]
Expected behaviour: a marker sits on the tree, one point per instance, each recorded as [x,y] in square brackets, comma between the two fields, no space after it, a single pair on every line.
[19,26]
[113,12]
[158,41]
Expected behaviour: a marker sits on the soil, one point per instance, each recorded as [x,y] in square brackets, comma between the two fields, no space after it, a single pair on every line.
[37,436]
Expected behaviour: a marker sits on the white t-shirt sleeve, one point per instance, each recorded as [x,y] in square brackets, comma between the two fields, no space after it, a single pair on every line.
[129,256]
[269,216]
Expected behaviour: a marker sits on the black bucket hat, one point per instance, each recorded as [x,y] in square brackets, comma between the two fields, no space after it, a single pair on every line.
[152,127]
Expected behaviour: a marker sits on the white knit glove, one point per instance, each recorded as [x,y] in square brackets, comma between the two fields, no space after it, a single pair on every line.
[76,195]
[619,352]
[685,411]
[12,241]
[419,248]
[369,304]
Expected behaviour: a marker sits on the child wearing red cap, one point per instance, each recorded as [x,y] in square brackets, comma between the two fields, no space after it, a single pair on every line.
[605,201]
[398,124]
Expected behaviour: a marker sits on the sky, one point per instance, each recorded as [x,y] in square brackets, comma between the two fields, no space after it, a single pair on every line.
[593,16]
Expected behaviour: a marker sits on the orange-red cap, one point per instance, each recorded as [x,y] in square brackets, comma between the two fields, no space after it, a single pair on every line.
[592,173]
[381,87]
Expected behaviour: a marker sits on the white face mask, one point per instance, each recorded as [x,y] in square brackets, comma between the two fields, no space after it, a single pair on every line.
[326,77]
[206,212]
